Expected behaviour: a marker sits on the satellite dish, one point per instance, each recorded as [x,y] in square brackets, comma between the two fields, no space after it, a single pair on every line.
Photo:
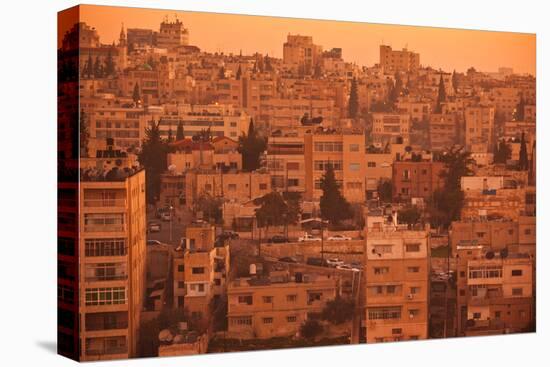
[489,255]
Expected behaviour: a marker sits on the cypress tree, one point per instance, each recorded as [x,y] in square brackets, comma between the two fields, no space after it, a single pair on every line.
[353,106]
[179,132]
[136,95]
[523,159]
[441,95]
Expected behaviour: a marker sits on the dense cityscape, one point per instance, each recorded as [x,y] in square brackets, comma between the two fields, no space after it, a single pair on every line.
[235,202]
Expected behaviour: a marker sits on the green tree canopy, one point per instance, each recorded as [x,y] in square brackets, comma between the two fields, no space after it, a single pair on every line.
[153,158]
[338,310]
[251,147]
[136,95]
[310,329]
[441,95]
[353,105]
[179,132]
[523,159]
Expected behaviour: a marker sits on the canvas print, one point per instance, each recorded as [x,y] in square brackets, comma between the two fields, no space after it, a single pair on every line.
[237,183]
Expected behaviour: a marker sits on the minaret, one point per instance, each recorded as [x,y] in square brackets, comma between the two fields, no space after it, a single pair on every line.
[122,50]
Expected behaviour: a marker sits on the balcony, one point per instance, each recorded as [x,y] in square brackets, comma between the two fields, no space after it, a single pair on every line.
[106,278]
[107,350]
[104,203]
[104,228]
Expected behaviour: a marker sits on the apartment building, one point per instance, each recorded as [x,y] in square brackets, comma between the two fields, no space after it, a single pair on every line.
[172,35]
[506,100]
[222,120]
[395,60]
[444,131]
[112,264]
[301,54]
[379,168]
[397,270]
[412,179]
[221,154]
[479,128]
[387,127]
[495,292]
[125,125]
[506,203]
[286,163]
[267,307]
[199,272]
[345,152]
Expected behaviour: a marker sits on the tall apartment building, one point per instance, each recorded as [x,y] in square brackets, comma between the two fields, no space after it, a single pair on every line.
[300,53]
[199,270]
[126,126]
[397,270]
[345,152]
[444,131]
[495,292]
[266,307]
[172,35]
[112,264]
[479,128]
[416,179]
[387,127]
[394,60]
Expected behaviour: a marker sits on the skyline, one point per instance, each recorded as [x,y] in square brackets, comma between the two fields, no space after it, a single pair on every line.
[445,48]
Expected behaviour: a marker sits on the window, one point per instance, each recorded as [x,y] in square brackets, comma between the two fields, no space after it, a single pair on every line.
[381,270]
[354,147]
[383,249]
[414,312]
[232,187]
[384,313]
[245,299]
[517,291]
[181,284]
[497,315]
[390,289]
[105,247]
[291,319]
[268,320]
[462,292]
[291,298]
[397,331]
[105,296]
[263,186]
[477,315]
[181,268]
[239,321]
[413,269]
[415,290]
[490,271]
[200,287]
[267,299]
[371,164]
[354,166]
[462,274]
[413,337]
[527,232]
[293,166]
[197,270]
[314,296]
[517,272]
[413,247]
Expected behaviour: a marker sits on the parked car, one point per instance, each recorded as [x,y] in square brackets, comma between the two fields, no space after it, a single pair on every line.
[153,242]
[288,259]
[316,261]
[166,217]
[339,237]
[356,265]
[154,227]
[346,267]
[334,262]
[308,237]
[278,238]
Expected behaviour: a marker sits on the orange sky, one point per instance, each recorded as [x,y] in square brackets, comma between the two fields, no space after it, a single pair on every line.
[438,47]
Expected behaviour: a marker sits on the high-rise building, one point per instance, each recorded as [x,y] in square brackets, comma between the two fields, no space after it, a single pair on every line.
[394,60]
[112,263]
[300,53]
[172,35]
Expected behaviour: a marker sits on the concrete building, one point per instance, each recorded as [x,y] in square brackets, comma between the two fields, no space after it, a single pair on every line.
[394,60]
[301,54]
[199,272]
[172,35]
[416,179]
[221,155]
[495,292]
[444,131]
[112,265]
[125,125]
[286,163]
[266,307]
[387,127]
[345,151]
[397,272]
[479,128]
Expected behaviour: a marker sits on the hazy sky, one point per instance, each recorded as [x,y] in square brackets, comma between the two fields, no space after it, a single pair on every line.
[438,47]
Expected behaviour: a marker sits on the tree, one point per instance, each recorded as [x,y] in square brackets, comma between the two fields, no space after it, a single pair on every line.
[353,105]
[251,147]
[109,67]
[274,211]
[179,132]
[136,95]
[310,329]
[454,80]
[239,73]
[84,134]
[170,135]
[210,207]
[519,112]
[338,310]
[153,158]
[267,63]
[221,73]
[441,95]
[385,191]
[334,207]
[447,203]
[410,215]
[98,70]
[523,159]
[503,152]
